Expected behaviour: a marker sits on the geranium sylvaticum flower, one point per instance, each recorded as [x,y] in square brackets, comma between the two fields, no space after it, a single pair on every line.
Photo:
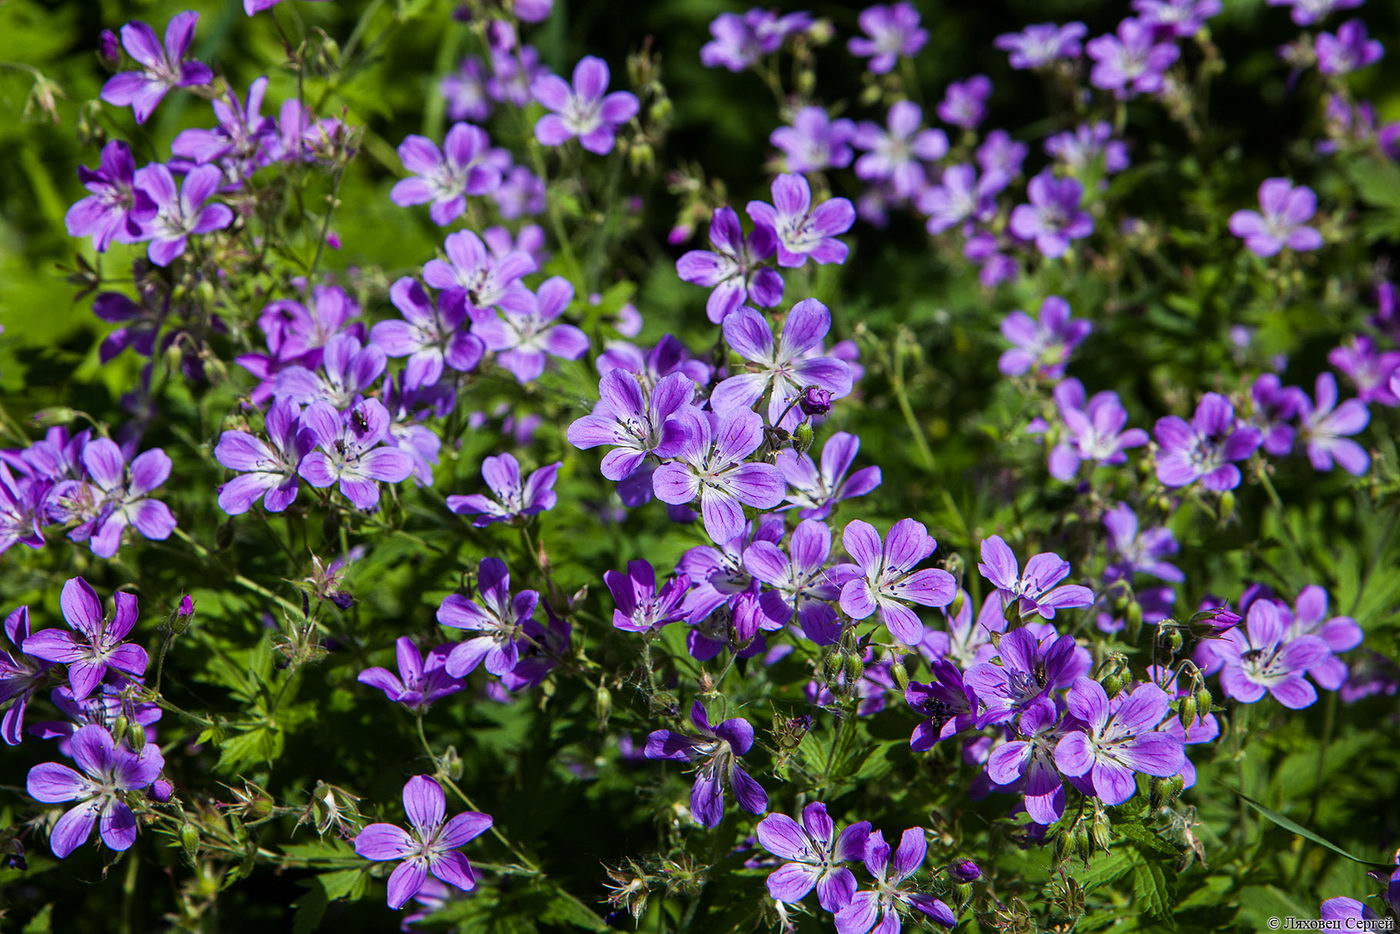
[352,450]
[1281,221]
[162,68]
[1093,432]
[1346,50]
[641,605]
[446,176]
[1119,738]
[815,490]
[1132,61]
[1054,217]
[124,499]
[109,773]
[430,847]
[895,153]
[959,198]
[1262,656]
[946,703]
[799,584]
[1310,617]
[513,497]
[1030,669]
[267,469]
[635,422]
[498,619]
[891,30]
[430,335]
[814,852]
[420,681]
[524,338]
[804,232]
[180,211]
[710,464]
[482,278]
[741,40]
[1026,763]
[115,209]
[1044,343]
[814,142]
[585,111]
[1203,449]
[1135,551]
[1038,45]
[95,643]
[964,103]
[878,908]
[734,270]
[19,676]
[715,751]
[883,578]
[1034,591]
[1325,429]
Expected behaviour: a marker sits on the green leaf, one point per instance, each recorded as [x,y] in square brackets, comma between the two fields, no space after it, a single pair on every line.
[258,746]
[1146,840]
[563,908]
[41,923]
[1378,183]
[1105,869]
[1297,828]
[310,909]
[1150,889]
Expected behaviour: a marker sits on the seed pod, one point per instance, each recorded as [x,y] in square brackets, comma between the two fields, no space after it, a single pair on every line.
[1101,827]
[1187,714]
[855,667]
[189,839]
[119,728]
[1203,701]
[602,704]
[900,675]
[1227,504]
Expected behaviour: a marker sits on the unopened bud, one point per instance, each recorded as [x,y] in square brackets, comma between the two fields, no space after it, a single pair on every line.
[119,729]
[1115,673]
[1227,504]
[815,401]
[802,437]
[1187,714]
[1101,827]
[855,667]
[109,50]
[136,736]
[964,870]
[602,705]
[55,415]
[900,674]
[189,839]
[641,157]
[161,790]
[1203,702]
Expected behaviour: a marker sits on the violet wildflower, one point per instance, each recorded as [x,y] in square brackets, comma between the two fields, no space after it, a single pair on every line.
[1310,617]
[814,490]
[1031,668]
[1089,147]
[735,269]
[891,31]
[482,279]
[1094,432]
[347,370]
[635,422]
[111,772]
[243,136]
[1131,62]
[115,209]
[1034,591]
[1324,427]
[1203,449]
[446,176]
[513,499]
[267,469]
[19,676]
[125,500]
[420,681]
[351,449]
[883,577]
[739,41]
[1283,223]
[103,707]
[804,231]
[431,334]
[799,584]
[960,197]
[162,68]
[180,212]
[499,623]
[814,852]
[1348,50]
[1053,218]
[1026,763]
[1042,345]
[966,641]
[1370,369]
[710,464]
[896,154]
[521,194]
[1137,551]
[715,751]
[431,846]
[1119,738]
[1038,45]
[521,338]
[1261,656]
[947,704]
[465,91]
[23,510]
[585,110]
[780,370]
[513,68]
[964,104]
[1275,405]
[814,142]
[878,908]
[1177,18]
[641,606]
[1000,157]
[1308,12]
[95,643]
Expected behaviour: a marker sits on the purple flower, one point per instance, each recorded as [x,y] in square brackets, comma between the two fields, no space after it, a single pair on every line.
[1203,449]
[1089,147]
[430,335]
[522,194]
[964,104]
[814,852]
[181,212]
[896,154]
[1132,62]
[1119,738]
[740,41]
[780,370]
[499,623]
[1026,763]
[418,683]
[19,676]
[1031,668]
[1261,656]
[465,91]
[735,269]
[1370,369]
[348,370]
[1307,12]
[1137,552]
[816,491]
[1177,18]
[1283,223]
[1044,345]
[710,465]
[1000,156]
[1348,50]
[878,907]
[1035,591]
[1341,633]
[482,279]
[95,644]
[1053,218]
[1094,432]
[110,770]
[162,68]
[513,499]
[1324,427]
[635,422]
[115,209]
[883,577]
[585,110]
[966,641]
[1275,405]
[641,607]
[947,703]
[891,30]
[1039,45]
[802,231]
[123,496]
[244,138]
[799,584]
[959,198]
[102,707]
[351,449]
[521,338]
[268,469]
[446,176]
[715,752]
[815,142]
[23,510]
[432,845]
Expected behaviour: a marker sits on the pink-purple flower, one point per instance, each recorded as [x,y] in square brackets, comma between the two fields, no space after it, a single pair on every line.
[1204,449]
[1263,657]
[715,750]
[267,469]
[1325,428]
[883,577]
[1042,345]
[814,852]
[95,642]
[1037,589]
[1094,431]
[498,619]
[735,269]
[815,142]
[162,68]
[446,176]
[1053,217]
[892,31]
[512,497]
[1347,50]
[641,605]
[636,422]
[116,209]
[1043,43]
[1131,62]
[180,212]
[524,338]
[877,908]
[804,232]
[420,681]
[1118,738]
[1283,222]
[352,449]
[585,110]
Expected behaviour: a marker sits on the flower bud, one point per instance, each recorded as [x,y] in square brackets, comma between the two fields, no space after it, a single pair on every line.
[602,705]
[136,736]
[119,729]
[802,437]
[1115,673]
[964,870]
[900,675]
[1101,827]
[161,791]
[855,667]
[1227,504]
[815,400]
[55,415]
[189,839]
[1187,714]
[1203,702]
[109,50]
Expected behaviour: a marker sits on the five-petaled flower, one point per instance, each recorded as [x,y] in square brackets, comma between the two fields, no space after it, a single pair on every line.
[814,852]
[585,110]
[716,751]
[95,643]
[1119,738]
[883,577]
[161,68]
